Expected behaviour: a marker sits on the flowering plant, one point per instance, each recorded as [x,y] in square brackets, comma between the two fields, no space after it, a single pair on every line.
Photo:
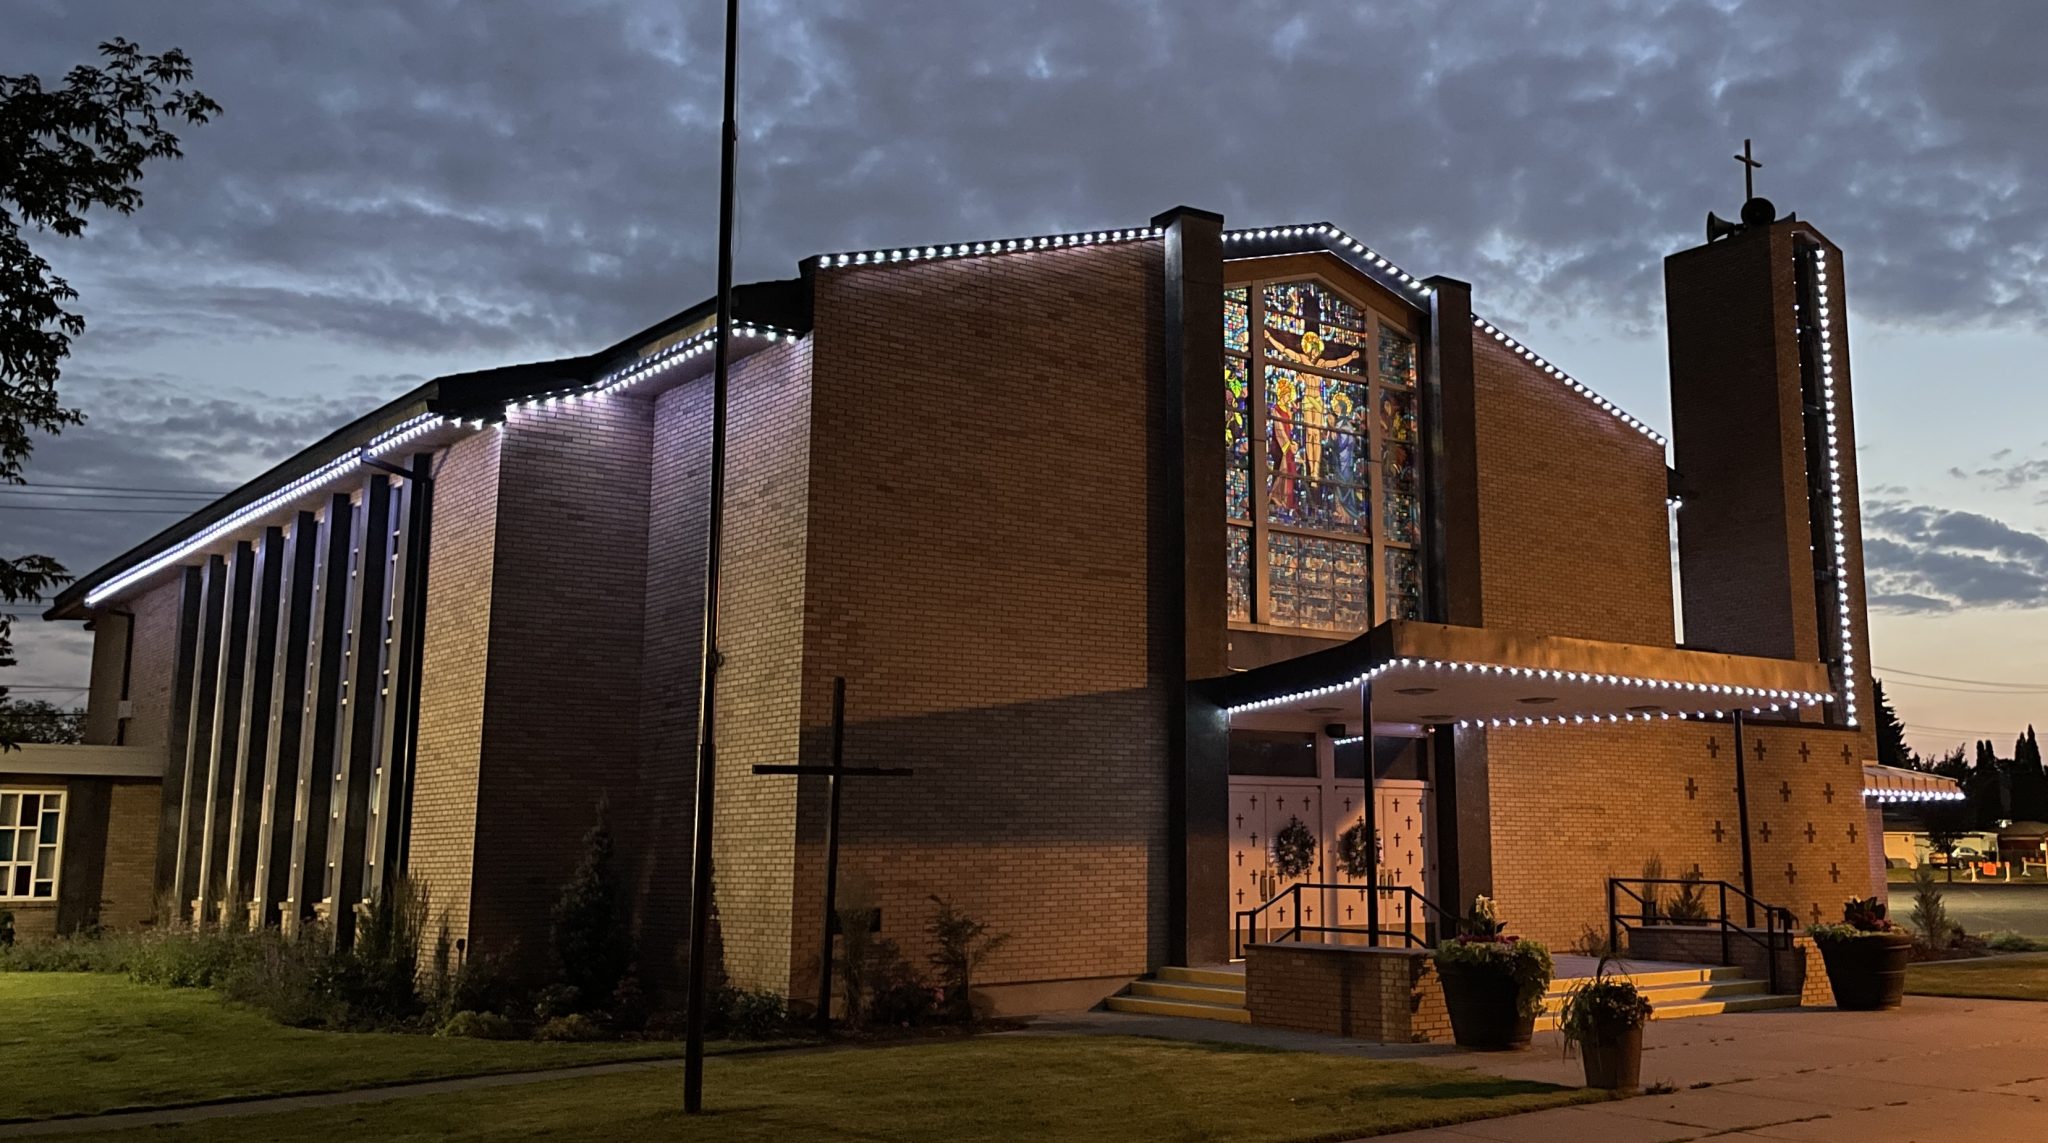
[1483,944]
[1861,917]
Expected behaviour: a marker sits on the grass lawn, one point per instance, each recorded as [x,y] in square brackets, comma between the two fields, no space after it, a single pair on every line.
[1004,1087]
[77,1043]
[2000,978]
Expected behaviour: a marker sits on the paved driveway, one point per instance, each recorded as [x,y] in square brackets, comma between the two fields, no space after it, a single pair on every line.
[1936,1071]
[1987,908]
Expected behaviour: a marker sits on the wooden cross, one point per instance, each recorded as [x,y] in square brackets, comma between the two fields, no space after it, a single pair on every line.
[1692,788]
[832,774]
[1791,874]
[1784,791]
[1828,792]
[1765,832]
[1749,169]
[1834,871]
[1810,833]
[1713,747]
[1720,834]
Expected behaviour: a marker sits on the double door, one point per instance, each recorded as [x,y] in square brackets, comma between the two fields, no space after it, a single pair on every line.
[1269,816]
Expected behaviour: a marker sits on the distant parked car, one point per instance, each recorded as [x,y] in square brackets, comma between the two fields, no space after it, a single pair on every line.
[1964,855]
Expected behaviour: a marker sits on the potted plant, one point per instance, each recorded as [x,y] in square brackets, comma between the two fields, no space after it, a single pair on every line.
[1604,1019]
[1493,983]
[1865,956]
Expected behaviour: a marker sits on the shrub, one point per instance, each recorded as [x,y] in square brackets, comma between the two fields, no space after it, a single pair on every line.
[1601,1007]
[748,1014]
[964,943]
[557,1000]
[1690,905]
[1653,894]
[857,914]
[478,1026]
[6,928]
[1930,913]
[590,935]
[286,979]
[576,1027]
[2009,941]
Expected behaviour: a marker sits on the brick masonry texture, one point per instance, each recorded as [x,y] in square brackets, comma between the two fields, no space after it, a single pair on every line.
[1386,995]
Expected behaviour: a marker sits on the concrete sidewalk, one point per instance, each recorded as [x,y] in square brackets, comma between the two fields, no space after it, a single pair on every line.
[1937,1070]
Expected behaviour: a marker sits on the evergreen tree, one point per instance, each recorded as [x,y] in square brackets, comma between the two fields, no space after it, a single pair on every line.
[2029,781]
[1891,733]
[591,938]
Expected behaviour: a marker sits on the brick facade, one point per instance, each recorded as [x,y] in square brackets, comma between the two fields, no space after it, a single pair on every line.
[1386,995]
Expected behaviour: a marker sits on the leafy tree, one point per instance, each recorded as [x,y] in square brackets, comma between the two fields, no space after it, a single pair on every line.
[591,939]
[1891,733]
[1946,823]
[36,720]
[65,151]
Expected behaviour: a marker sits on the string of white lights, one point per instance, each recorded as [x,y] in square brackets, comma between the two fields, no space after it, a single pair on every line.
[697,344]
[1841,546]
[982,249]
[1914,795]
[1767,699]
[1337,240]
[1573,383]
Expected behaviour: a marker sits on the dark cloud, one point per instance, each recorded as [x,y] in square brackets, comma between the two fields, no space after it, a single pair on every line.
[1921,558]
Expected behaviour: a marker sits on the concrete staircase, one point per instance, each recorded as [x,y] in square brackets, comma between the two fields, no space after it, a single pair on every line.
[1675,993]
[1217,993]
[1200,993]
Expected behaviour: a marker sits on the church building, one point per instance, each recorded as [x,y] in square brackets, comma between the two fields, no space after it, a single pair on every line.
[1205,578]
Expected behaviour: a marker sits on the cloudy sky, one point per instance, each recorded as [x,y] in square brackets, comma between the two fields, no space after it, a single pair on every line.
[399,190]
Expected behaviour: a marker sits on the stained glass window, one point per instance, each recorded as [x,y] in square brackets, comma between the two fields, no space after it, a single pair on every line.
[1401,480]
[1237,320]
[1404,585]
[1238,554]
[1237,446]
[1397,358]
[1397,415]
[1317,474]
[1320,583]
[31,825]
[1308,325]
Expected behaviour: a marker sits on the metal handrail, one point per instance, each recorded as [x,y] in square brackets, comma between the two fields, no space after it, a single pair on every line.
[1247,919]
[1778,920]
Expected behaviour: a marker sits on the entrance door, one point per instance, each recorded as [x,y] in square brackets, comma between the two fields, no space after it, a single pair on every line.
[1260,813]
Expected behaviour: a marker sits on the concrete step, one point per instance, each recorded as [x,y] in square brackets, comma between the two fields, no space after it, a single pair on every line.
[1154,1006]
[1219,995]
[1221,977]
[1676,993]
[1745,1000]
[1704,974]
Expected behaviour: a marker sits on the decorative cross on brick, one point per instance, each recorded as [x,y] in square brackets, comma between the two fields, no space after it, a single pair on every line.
[1852,831]
[1692,788]
[1719,833]
[1791,874]
[1809,833]
[1805,752]
[1713,747]
[1828,792]
[1784,791]
[1764,833]
[1759,749]
[1834,871]
[1816,912]
[1848,756]
[1240,858]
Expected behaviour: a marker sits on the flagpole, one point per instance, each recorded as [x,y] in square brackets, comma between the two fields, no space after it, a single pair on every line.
[700,863]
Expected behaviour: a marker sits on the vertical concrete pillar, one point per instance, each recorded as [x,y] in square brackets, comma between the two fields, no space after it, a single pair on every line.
[177,761]
[278,780]
[320,710]
[227,735]
[198,720]
[355,744]
[258,672]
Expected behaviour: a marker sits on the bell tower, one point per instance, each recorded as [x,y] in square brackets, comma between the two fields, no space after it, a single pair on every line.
[1769,524]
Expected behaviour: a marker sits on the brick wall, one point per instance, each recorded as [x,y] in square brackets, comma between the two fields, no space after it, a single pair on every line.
[1386,995]
[454,675]
[128,874]
[982,505]
[153,663]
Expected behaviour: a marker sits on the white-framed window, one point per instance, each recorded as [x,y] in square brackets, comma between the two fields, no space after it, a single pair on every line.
[31,843]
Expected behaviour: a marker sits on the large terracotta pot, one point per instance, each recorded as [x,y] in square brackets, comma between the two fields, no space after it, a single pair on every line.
[1614,1058]
[1482,1006]
[1867,972]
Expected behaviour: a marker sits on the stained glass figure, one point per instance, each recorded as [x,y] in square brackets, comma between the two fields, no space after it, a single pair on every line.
[1319,583]
[1239,561]
[1237,446]
[1403,522]
[1397,358]
[1397,415]
[1308,325]
[1404,585]
[1237,320]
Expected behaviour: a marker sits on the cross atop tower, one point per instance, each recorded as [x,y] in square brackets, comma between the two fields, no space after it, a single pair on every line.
[1749,168]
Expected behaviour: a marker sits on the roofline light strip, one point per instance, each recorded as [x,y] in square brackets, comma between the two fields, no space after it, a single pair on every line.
[1840,522]
[1573,383]
[378,445]
[1778,699]
[703,341]
[983,249]
[1884,795]
[1339,241]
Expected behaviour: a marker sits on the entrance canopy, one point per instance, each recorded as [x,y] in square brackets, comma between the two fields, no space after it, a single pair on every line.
[1893,784]
[1434,673]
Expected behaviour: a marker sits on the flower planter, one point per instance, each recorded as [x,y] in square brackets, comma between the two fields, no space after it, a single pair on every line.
[1614,1058]
[1483,1005]
[1867,973]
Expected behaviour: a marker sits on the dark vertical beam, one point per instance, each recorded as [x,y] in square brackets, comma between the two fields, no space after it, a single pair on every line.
[355,748]
[1450,461]
[185,666]
[82,874]
[271,882]
[1372,815]
[387,789]
[410,672]
[321,709]
[1742,823]
[199,735]
[1190,640]
[227,734]
[258,670]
